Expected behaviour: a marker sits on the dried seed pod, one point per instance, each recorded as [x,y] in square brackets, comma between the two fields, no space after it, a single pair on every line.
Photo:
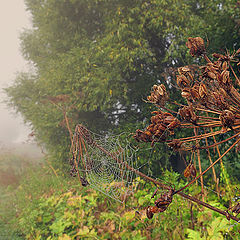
[217,64]
[182,81]
[186,172]
[211,75]
[174,124]
[175,144]
[219,56]
[167,120]
[223,92]
[141,136]
[183,70]
[193,171]
[186,93]
[190,171]
[202,90]
[166,114]
[196,46]
[161,128]
[224,66]
[225,76]
[148,133]
[227,118]
[195,94]
[149,212]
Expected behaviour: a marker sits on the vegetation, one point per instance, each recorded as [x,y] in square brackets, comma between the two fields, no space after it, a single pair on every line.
[48,206]
[104,55]
[94,63]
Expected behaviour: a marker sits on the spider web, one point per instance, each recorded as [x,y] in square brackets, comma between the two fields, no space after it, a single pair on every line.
[104,162]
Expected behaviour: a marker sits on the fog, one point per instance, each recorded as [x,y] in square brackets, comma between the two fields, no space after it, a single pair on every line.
[13,19]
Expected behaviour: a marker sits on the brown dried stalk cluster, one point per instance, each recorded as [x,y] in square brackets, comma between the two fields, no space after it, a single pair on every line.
[208,91]
[212,108]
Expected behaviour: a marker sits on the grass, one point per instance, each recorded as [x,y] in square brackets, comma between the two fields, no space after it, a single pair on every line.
[14,163]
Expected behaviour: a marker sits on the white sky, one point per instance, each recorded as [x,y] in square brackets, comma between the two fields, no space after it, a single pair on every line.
[13,18]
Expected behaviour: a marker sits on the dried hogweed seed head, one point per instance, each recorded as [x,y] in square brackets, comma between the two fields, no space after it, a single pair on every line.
[202,90]
[149,212]
[224,65]
[193,171]
[227,118]
[187,172]
[196,46]
[158,95]
[183,70]
[182,81]
[175,144]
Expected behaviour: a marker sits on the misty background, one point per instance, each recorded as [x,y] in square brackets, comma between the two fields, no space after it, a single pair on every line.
[13,19]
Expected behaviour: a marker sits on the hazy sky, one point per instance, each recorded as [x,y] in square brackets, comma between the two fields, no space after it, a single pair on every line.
[13,18]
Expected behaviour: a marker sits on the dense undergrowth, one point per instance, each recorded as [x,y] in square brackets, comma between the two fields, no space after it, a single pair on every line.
[46,204]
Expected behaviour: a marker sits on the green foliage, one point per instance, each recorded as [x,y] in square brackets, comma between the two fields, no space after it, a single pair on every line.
[105,55]
[56,207]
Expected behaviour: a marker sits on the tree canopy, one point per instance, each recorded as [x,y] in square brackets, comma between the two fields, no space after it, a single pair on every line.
[97,59]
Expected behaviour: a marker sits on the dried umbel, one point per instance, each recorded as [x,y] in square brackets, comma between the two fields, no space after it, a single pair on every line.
[175,144]
[162,125]
[210,101]
[227,118]
[188,114]
[190,171]
[158,95]
[196,46]
[218,99]
[161,204]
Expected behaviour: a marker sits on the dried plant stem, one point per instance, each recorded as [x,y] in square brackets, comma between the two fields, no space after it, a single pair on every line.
[209,111]
[207,117]
[210,160]
[211,125]
[217,143]
[206,58]
[195,179]
[52,168]
[199,166]
[198,137]
[235,94]
[167,109]
[67,123]
[238,81]
[222,166]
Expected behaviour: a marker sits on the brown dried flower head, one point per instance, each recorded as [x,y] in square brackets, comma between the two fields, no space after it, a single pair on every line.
[227,118]
[158,95]
[196,46]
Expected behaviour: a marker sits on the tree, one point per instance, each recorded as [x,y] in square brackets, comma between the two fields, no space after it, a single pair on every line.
[103,55]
